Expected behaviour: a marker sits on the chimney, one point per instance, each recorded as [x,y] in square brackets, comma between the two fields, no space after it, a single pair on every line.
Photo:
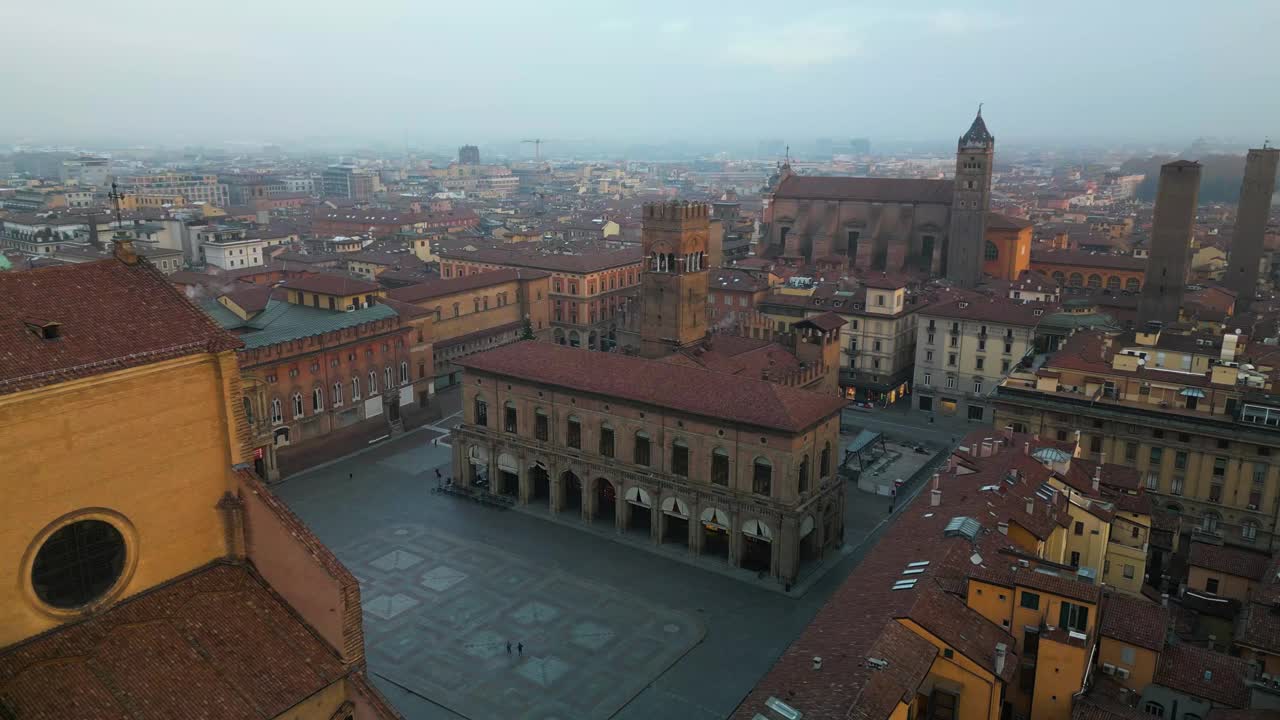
[1002,653]
[123,249]
[1164,599]
[1026,448]
[935,497]
[1031,506]
[1008,432]
[817,662]
[1097,477]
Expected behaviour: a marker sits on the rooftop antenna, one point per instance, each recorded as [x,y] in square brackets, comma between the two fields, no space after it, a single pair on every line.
[116,196]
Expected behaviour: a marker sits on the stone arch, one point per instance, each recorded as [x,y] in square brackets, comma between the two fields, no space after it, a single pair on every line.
[639,496]
[676,506]
[1095,281]
[1059,277]
[1132,284]
[1113,282]
[757,528]
[558,336]
[575,339]
[1076,280]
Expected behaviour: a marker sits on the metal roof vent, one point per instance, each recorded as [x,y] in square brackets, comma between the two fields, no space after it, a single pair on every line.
[962,526]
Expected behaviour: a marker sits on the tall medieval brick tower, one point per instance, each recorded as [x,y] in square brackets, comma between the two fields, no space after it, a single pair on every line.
[673,285]
[1172,225]
[970,202]
[1251,224]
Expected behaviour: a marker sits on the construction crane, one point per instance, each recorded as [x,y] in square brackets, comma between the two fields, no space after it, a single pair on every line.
[537,147]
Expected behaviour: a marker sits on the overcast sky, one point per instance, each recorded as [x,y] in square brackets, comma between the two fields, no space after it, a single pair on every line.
[479,71]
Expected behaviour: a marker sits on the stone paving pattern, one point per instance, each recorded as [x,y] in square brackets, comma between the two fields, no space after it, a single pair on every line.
[439,611]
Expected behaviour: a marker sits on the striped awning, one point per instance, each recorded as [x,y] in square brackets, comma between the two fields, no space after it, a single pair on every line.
[1192,392]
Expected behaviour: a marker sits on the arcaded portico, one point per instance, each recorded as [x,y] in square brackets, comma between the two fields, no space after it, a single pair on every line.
[726,466]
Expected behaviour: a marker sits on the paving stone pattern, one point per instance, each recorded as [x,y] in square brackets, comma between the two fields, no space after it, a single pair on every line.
[439,611]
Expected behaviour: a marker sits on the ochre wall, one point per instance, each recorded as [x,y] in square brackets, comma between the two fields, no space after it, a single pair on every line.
[1229,586]
[1141,670]
[149,443]
[320,706]
[1059,674]
[980,693]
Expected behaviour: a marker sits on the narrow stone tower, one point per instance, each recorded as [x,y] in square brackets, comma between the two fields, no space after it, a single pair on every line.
[1251,224]
[1171,227]
[673,285]
[971,199]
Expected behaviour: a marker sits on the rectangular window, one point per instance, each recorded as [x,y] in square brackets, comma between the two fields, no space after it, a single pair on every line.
[1215,493]
[978,363]
[720,468]
[1153,480]
[951,359]
[1075,559]
[1219,468]
[1008,348]
[977,387]
[928,356]
[929,338]
[982,344]
[1079,528]
[1180,460]
[573,438]
[509,419]
[927,379]
[1029,600]
[680,459]
[481,409]
[1211,585]
[1073,617]
[606,441]
[1156,455]
[541,426]
[951,382]
[1130,451]
[1095,444]
[641,455]
[1004,367]
[1129,572]
[1178,482]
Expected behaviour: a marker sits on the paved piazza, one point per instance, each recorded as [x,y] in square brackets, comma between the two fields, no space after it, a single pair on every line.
[439,611]
[610,630]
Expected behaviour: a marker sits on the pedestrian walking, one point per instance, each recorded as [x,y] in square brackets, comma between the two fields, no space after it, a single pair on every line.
[437,473]
[508,647]
[520,648]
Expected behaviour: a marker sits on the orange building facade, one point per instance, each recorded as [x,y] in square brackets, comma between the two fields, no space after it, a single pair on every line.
[1007,252]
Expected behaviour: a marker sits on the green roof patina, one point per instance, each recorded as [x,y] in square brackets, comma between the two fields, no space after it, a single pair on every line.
[282,321]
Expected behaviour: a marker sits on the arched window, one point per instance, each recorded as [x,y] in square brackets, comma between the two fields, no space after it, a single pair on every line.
[480,414]
[1059,277]
[373,383]
[992,252]
[680,458]
[653,262]
[355,388]
[1209,521]
[824,461]
[720,467]
[79,563]
[1077,280]
[1095,281]
[1113,282]
[404,373]
[297,405]
[248,410]
[804,474]
[762,477]
[388,381]
[1132,285]
[337,394]
[277,415]
[641,454]
[317,400]
[509,416]
[1249,531]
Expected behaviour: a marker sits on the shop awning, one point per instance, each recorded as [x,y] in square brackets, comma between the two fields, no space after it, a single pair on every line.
[1192,392]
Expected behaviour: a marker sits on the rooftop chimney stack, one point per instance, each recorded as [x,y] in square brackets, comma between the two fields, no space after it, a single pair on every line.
[1031,506]
[935,497]
[1097,477]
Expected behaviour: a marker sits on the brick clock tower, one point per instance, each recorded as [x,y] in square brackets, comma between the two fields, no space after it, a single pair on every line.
[971,199]
[673,285]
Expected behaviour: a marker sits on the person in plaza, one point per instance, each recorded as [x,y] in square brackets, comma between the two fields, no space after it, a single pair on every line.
[520,648]
[508,647]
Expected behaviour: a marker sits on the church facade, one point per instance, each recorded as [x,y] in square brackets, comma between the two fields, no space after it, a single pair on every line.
[889,224]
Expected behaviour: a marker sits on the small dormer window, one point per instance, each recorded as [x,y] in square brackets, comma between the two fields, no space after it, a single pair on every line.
[44,329]
[1037,312]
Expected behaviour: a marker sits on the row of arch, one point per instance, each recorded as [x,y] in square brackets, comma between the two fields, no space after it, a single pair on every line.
[670,262]
[1096,281]
[1211,522]
[594,339]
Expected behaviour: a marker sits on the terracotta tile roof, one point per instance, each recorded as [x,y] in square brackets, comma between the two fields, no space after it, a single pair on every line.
[908,657]
[252,298]
[1230,560]
[112,316]
[1136,621]
[825,322]
[856,618]
[1084,259]
[1183,667]
[871,189]
[217,643]
[732,279]
[1254,714]
[330,284]
[1090,708]
[710,394]
[583,262]
[1259,627]
[738,355]
[991,309]
[1000,221]
[448,286]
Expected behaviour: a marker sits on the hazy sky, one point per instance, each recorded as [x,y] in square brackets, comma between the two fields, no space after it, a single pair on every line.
[286,70]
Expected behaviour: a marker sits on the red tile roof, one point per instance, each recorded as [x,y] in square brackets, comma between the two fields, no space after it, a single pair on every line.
[893,190]
[1183,667]
[731,398]
[1136,621]
[1259,627]
[1000,221]
[991,309]
[448,286]
[825,322]
[214,644]
[1084,259]
[1230,560]
[112,315]
[584,262]
[329,284]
